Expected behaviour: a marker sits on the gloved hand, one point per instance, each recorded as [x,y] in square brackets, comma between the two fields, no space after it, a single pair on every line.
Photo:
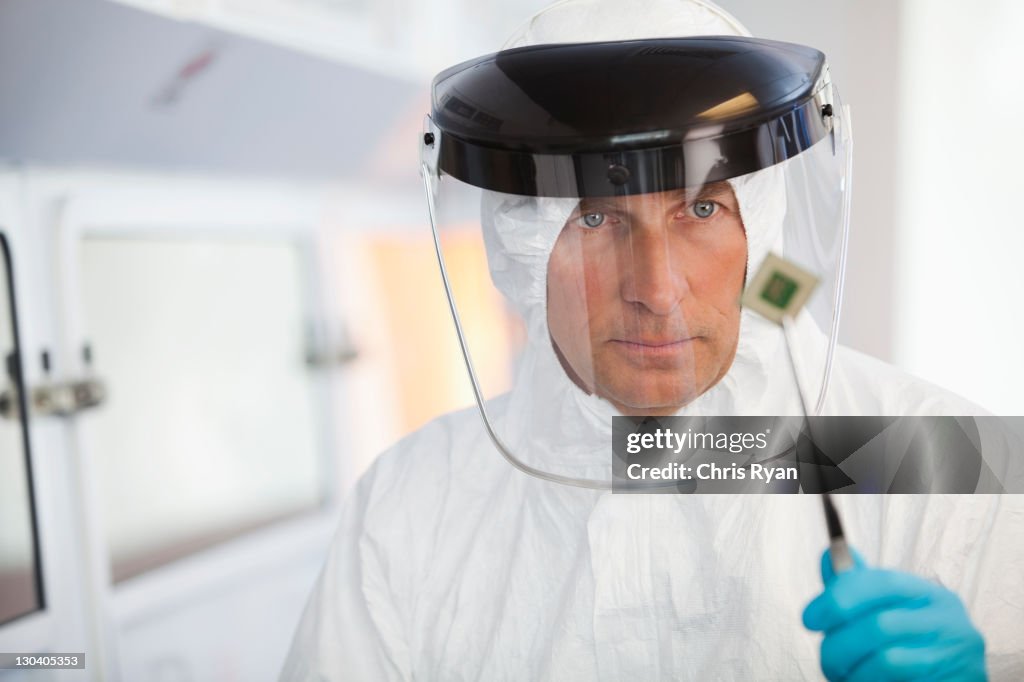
[883,625]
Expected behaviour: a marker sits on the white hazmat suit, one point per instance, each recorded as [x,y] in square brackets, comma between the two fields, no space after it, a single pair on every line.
[449,564]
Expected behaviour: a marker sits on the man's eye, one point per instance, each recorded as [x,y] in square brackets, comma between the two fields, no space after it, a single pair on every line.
[704,209]
[592,219]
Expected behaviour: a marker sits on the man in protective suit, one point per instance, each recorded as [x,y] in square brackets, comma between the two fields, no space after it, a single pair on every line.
[452,562]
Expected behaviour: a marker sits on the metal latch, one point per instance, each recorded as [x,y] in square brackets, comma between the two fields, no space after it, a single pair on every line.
[54,398]
[58,399]
[67,398]
[321,353]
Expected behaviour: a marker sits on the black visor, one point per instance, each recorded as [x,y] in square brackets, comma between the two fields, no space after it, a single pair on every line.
[628,117]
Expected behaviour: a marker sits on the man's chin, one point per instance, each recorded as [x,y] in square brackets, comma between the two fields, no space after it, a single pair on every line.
[661,404]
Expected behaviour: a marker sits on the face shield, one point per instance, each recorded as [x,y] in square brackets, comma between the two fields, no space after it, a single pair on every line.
[620,195]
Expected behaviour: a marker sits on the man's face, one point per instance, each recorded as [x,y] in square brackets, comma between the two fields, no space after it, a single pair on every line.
[643,295]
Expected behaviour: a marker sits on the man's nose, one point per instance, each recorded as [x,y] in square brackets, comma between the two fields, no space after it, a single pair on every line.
[653,277]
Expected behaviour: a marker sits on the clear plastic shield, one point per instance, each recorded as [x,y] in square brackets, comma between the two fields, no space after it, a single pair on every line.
[631,304]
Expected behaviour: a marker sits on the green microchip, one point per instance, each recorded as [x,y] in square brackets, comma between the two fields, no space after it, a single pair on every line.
[779,290]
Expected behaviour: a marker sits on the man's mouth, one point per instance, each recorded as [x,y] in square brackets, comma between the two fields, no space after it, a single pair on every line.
[659,346]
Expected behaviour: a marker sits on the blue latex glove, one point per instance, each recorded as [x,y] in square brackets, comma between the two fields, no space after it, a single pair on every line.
[885,625]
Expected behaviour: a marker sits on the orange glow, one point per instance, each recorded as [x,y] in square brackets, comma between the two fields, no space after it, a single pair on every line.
[428,366]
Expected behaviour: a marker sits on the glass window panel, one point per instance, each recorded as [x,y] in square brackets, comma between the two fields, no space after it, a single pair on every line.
[20,591]
[210,427]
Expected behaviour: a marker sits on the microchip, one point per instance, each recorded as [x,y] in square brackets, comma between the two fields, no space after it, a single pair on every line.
[779,289]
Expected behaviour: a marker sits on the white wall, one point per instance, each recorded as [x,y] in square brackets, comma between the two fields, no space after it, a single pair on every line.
[961,233]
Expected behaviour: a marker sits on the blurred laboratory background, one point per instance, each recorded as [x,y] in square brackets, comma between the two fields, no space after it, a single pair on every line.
[219,299]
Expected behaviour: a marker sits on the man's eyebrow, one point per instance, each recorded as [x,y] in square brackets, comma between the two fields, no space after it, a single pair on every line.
[720,187]
[598,202]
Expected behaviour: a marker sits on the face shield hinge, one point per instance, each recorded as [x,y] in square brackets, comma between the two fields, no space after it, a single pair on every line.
[825,97]
[430,149]
[828,119]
